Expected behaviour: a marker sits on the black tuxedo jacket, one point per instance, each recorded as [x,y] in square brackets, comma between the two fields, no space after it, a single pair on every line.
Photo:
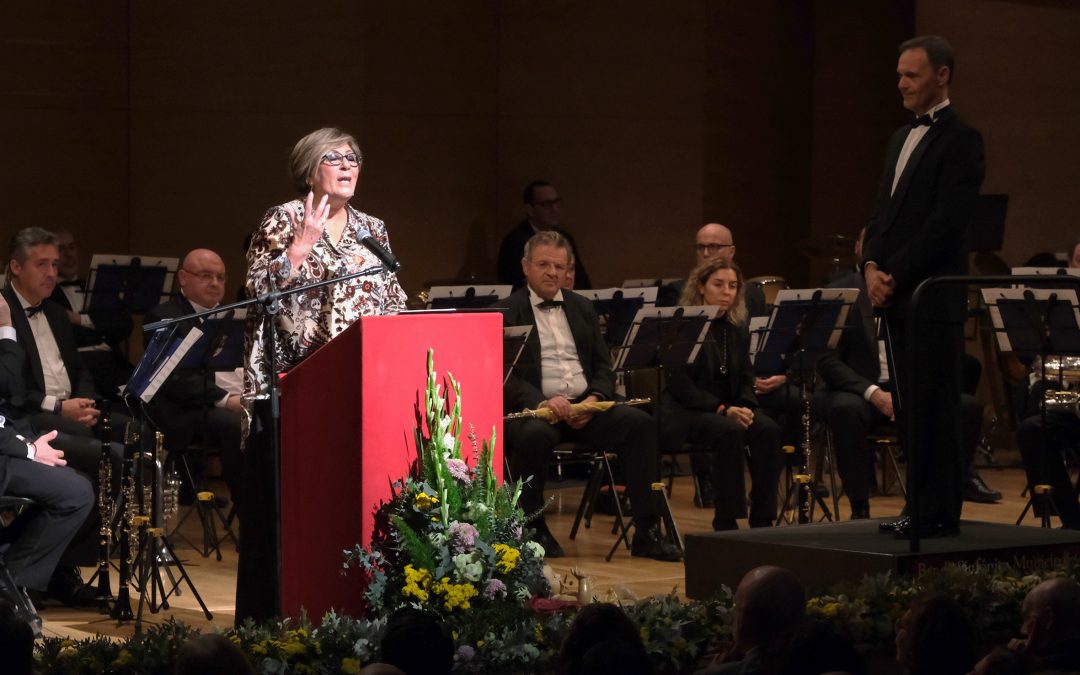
[696,386]
[34,378]
[110,327]
[523,387]
[15,431]
[512,249]
[854,365]
[921,230]
[186,388]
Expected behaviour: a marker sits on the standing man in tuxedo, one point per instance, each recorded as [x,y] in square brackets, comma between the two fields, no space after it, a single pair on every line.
[565,361]
[199,403]
[98,334]
[930,185]
[543,211]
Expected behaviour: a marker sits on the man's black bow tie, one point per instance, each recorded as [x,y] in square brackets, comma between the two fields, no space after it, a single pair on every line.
[548,304]
[31,311]
[922,120]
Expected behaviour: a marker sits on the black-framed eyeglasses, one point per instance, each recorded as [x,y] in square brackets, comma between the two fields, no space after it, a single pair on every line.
[334,158]
[711,248]
[207,277]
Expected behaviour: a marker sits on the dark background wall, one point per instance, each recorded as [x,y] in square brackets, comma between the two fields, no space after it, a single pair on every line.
[156,127]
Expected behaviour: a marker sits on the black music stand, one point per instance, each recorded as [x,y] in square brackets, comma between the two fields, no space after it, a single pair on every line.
[514,339]
[662,336]
[1042,322]
[128,283]
[466,297]
[804,324]
[617,308]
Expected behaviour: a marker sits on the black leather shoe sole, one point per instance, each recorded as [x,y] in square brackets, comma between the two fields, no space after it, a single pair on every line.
[929,529]
[891,526]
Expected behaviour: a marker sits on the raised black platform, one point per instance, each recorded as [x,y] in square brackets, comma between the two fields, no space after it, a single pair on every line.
[825,553]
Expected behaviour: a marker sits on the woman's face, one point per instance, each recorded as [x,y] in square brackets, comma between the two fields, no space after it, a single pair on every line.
[720,289]
[337,182]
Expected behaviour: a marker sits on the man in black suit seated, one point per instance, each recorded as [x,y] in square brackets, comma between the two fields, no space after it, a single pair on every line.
[566,361]
[920,229]
[543,211]
[854,398]
[199,403]
[99,333]
[30,466]
[713,240]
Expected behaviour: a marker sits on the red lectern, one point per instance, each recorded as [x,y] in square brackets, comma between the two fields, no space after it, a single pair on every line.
[347,420]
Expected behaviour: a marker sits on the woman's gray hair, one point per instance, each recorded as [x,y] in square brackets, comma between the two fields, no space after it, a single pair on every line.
[308,153]
[26,239]
[700,275]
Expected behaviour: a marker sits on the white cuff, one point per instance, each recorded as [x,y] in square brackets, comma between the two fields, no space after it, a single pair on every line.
[870,391]
[48,404]
[7,333]
[223,402]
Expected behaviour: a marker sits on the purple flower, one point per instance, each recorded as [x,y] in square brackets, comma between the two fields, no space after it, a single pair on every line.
[494,587]
[458,469]
[517,532]
[462,537]
[464,653]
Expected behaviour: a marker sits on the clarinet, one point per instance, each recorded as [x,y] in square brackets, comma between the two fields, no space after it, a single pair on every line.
[121,610]
[804,477]
[106,506]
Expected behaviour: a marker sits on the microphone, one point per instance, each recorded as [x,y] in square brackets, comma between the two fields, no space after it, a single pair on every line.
[381,253]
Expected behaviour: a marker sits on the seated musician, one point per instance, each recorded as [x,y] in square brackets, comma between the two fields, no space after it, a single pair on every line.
[712,403]
[566,361]
[30,466]
[1042,444]
[198,403]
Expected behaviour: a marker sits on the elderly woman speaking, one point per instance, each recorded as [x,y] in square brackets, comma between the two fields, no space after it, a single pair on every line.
[303,241]
[311,239]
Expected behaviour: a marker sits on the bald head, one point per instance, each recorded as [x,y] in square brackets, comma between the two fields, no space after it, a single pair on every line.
[202,277]
[714,240]
[769,603]
[1051,614]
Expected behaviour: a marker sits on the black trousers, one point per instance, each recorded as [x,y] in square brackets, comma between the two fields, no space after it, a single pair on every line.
[1041,447]
[723,436]
[628,432]
[258,580]
[39,537]
[218,428]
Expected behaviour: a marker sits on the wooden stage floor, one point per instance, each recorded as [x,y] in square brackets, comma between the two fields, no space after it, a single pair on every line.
[624,577]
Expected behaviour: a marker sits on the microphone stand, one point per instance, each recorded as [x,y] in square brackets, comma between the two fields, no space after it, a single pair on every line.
[271,304]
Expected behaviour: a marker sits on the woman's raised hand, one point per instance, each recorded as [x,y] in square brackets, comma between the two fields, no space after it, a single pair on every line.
[309,230]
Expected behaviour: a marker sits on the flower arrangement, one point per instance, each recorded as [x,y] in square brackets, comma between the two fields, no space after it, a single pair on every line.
[451,539]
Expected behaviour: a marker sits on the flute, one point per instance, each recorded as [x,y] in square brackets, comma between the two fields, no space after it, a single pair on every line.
[548,415]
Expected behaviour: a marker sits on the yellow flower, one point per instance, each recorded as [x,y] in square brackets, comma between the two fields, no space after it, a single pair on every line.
[293,648]
[350,665]
[507,557]
[124,659]
[417,583]
[455,595]
[425,502]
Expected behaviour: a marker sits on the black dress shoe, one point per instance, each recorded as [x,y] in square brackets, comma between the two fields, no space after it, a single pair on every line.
[928,527]
[66,585]
[724,524]
[891,526]
[860,510]
[648,543]
[975,490]
[551,547]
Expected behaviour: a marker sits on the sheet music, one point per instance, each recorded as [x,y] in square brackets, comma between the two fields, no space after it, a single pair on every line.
[476,295]
[1045,271]
[757,327]
[641,283]
[149,280]
[515,337]
[646,293]
[1016,296]
[844,297]
[645,327]
[166,368]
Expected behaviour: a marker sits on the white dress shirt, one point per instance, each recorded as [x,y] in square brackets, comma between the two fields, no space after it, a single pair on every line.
[57,380]
[561,373]
[914,136]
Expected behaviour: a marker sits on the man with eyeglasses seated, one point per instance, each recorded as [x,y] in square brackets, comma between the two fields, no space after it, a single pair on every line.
[565,360]
[713,240]
[98,333]
[200,404]
[543,211]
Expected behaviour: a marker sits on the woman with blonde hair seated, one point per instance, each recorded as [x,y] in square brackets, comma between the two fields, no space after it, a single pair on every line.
[711,402]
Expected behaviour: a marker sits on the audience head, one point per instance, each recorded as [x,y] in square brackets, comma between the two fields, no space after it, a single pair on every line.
[33,262]
[16,641]
[309,170]
[717,282]
[596,625]
[714,240]
[935,637]
[547,259]
[542,205]
[817,648]
[212,655]
[1074,254]
[418,643]
[1051,615]
[924,71]
[615,656]
[769,606]
[69,254]
[1001,661]
[202,277]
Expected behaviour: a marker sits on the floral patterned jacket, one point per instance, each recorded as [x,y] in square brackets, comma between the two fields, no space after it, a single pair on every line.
[311,319]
